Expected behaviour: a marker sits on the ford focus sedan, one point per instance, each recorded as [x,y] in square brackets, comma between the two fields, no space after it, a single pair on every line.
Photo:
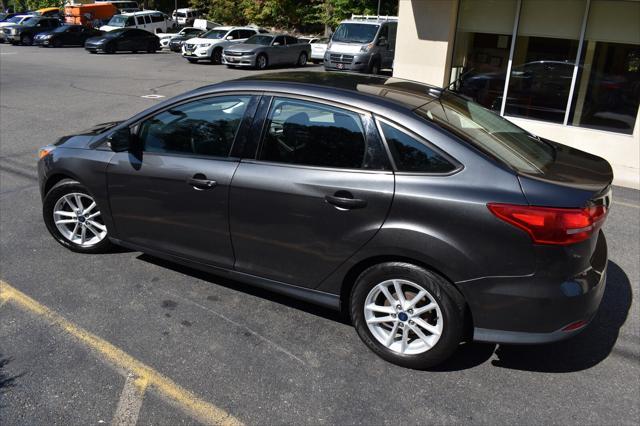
[427,218]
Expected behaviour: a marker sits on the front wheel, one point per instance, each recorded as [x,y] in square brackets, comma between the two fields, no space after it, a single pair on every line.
[407,315]
[262,62]
[151,47]
[374,68]
[74,219]
[193,61]
[26,40]
[110,48]
[216,56]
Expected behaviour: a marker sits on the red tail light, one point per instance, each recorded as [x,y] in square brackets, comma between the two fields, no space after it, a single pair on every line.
[547,225]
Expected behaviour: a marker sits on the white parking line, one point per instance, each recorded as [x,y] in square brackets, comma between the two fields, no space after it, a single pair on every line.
[130,401]
[635,206]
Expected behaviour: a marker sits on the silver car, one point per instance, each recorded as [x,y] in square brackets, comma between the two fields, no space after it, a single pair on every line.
[263,50]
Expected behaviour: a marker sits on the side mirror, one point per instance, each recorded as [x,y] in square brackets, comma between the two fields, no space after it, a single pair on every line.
[120,140]
[229,37]
[382,41]
[275,43]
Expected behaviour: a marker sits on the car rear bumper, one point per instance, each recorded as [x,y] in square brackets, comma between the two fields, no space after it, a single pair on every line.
[539,308]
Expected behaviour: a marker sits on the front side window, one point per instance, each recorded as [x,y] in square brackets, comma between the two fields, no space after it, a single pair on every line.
[262,40]
[279,41]
[308,133]
[411,155]
[291,40]
[205,127]
[215,34]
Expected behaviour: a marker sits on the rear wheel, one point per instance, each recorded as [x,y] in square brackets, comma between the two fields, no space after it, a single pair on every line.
[74,219]
[216,56]
[407,315]
[262,62]
[302,59]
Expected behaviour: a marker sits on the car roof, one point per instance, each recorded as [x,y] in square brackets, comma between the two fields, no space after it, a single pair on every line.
[142,12]
[406,94]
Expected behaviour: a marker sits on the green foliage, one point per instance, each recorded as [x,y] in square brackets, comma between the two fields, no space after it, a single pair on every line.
[292,14]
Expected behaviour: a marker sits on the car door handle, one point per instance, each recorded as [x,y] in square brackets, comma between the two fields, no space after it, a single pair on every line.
[200,182]
[345,200]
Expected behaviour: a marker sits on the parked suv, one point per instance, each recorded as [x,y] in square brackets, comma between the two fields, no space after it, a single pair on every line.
[209,46]
[427,218]
[362,43]
[25,33]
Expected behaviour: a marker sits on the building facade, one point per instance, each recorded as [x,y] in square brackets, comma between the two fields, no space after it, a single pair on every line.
[566,70]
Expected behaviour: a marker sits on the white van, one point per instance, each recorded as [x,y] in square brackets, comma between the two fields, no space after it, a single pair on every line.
[185,16]
[149,20]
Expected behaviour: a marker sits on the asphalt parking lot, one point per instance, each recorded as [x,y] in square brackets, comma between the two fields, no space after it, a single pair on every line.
[125,338]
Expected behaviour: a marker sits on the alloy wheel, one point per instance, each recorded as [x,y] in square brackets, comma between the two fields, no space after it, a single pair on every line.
[78,219]
[403,316]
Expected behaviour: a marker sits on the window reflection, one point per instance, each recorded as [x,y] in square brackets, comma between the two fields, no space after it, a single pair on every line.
[608,84]
[204,127]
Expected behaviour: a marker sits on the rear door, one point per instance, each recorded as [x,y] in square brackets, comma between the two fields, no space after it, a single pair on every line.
[171,193]
[319,189]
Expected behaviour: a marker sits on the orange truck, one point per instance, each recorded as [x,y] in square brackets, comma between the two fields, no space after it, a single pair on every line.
[90,15]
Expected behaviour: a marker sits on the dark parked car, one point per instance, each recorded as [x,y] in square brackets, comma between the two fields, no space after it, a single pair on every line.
[125,39]
[175,43]
[262,50]
[66,35]
[26,32]
[426,217]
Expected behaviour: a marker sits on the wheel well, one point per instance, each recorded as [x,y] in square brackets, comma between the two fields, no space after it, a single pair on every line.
[53,180]
[350,280]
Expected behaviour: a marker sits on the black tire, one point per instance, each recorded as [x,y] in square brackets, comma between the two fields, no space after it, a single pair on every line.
[193,61]
[110,48]
[26,40]
[56,43]
[262,62]
[316,61]
[374,67]
[216,56]
[62,188]
[451,303]
[302,59]
[151,47]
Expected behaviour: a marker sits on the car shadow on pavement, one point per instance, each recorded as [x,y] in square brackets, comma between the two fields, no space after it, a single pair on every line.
[6,381]
[588,348]
[248,289]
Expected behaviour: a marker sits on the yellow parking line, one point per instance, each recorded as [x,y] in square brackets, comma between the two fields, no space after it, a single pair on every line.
[185,400]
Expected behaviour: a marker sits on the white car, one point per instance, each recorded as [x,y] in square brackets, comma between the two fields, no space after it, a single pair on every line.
[318,48]
[149,20]
[184,16]
[165,38]
[209,46]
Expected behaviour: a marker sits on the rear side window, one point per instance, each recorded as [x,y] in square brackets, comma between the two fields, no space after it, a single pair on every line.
[157,18]
[412,155]
[203,127]
[312,134]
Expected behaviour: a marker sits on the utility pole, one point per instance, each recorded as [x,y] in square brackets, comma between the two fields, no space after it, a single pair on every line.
[379,8]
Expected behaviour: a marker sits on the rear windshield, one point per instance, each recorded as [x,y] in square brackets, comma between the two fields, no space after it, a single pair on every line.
[355,33]
[489,132]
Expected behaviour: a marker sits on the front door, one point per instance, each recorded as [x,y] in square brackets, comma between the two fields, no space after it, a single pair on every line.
[318,191]
[171,194]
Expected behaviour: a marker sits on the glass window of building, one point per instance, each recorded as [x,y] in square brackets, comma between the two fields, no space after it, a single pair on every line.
[607,88]
[481,53]
[544,58]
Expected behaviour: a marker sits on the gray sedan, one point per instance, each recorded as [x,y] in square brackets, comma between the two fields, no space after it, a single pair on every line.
[263,50]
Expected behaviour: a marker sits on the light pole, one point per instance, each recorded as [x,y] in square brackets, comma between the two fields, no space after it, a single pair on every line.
[379,8]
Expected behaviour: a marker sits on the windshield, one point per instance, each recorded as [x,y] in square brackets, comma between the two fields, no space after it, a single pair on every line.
[215,34]
[489,132]
[262,40]
[355,33]
[17,19]
[118,21]
[180,14]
